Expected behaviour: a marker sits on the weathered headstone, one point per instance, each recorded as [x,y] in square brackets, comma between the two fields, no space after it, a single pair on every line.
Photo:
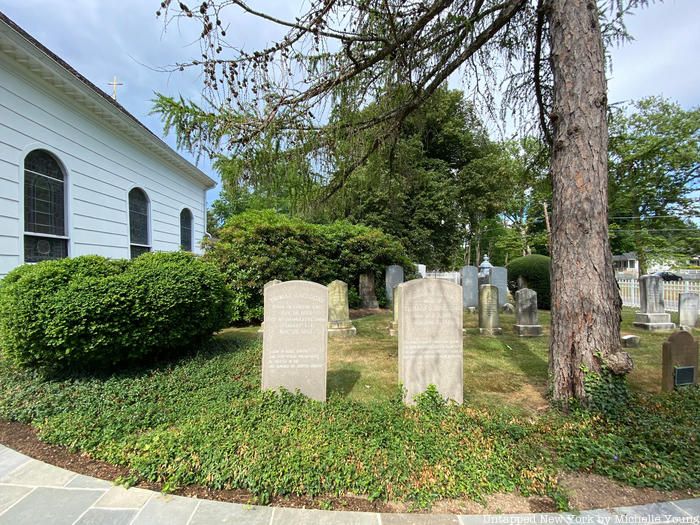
[295,341]
[526,321]
[679,361]
[688,304]
[430,338]
[498,276]
[265,286]
[470,286]
[421,269]
[489,320]
[630,341]
[455,277]
[392,278]
[339,323]
[394,324]
[652,315]
[368,297]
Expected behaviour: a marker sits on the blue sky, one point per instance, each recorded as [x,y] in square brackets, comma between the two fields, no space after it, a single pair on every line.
[124,38]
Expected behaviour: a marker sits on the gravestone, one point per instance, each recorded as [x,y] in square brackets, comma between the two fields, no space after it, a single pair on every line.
[268,283]
[295,341]
[368,298]
[679,361]
[430,338]
[455,277]
[652,315]
[421,269]
[470,286]
[688,304]
[498,276]
[394,324]
[630,341]
[339,323]
[392,278]
[489,320]
[526,321]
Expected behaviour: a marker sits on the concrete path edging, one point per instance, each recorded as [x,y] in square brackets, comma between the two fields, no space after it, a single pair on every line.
[35,493]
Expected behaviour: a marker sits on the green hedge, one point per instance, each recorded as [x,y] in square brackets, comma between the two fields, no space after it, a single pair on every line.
[91,313]
[534,269]
[258,246]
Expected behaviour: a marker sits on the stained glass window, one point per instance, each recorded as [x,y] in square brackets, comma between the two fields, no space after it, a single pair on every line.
[138,222]
[186,230]
[44,208]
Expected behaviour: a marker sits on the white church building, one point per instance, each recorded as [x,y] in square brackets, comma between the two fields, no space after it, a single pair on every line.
[78,173]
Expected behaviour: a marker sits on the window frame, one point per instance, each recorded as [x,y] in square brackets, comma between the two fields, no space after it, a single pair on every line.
[22,202]
[191,225]
[149,236]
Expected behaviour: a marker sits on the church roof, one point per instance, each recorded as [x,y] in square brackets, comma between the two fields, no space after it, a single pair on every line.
[15,41]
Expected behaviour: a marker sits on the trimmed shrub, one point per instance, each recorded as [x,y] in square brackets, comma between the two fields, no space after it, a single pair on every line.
[534,270]
[89,312]
[258,246]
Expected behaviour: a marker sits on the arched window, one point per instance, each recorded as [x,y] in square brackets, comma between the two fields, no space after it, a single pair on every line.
[186,230]
[44,208]
[139,239]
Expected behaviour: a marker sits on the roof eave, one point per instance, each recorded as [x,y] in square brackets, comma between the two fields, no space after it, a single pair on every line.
[61,75]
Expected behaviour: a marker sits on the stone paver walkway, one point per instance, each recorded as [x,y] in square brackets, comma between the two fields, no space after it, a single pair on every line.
[35,493]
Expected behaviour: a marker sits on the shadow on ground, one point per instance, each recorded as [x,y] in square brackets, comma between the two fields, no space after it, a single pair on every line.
[342,381]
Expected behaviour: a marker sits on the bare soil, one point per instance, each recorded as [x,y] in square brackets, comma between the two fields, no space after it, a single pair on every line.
[586,491]
[589,491]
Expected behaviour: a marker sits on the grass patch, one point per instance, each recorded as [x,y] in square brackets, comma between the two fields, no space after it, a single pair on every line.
[203,420]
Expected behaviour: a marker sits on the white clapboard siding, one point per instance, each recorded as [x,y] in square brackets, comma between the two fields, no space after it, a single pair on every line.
[102,165]
[629,291]
[9,189]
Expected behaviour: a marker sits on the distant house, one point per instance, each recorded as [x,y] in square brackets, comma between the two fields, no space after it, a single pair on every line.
[626,265]
[78,173]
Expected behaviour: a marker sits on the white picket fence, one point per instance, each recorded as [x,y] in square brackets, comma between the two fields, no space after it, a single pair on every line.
[629,291]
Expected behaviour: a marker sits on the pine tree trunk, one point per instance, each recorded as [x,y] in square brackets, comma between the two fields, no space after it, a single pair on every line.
[586,303]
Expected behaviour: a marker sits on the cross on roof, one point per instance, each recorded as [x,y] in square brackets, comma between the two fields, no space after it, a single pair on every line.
[114,85]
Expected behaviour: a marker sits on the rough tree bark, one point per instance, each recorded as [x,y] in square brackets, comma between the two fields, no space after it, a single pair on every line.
[586,304]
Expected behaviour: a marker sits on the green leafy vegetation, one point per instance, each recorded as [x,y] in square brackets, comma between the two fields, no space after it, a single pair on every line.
[534,272]
[203,420]
[94,313]
[651,441]
[654,165]
[258,246]
[410,187]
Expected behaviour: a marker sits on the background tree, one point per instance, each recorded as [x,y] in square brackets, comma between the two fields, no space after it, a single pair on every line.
[338,53]
[504,192]
[654,173]
[410,187]
[284,190]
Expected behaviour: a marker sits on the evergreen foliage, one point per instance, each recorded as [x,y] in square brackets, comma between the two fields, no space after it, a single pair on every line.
[534,270]
[258,246]
[410,187]
[89,312]
[654,170]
